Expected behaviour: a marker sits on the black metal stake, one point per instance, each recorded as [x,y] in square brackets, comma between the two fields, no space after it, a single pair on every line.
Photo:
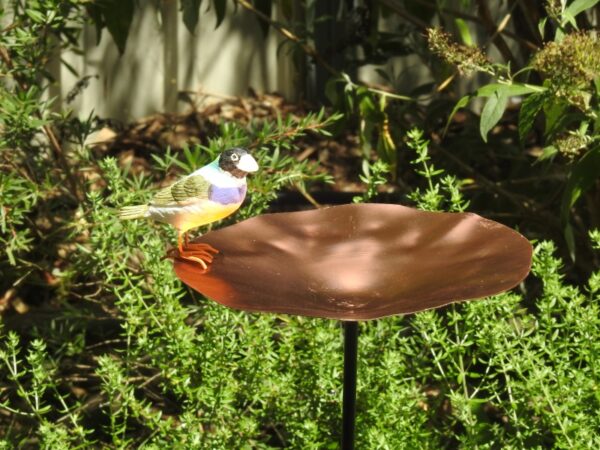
[349,402]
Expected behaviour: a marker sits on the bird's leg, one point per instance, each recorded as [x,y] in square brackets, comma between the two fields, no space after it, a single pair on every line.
[199,247]
[198,252]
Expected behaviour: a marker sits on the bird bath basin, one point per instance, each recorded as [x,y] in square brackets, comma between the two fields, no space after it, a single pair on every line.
[358,262]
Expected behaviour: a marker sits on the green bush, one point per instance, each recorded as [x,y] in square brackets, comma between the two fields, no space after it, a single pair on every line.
[178,371]
[115,352]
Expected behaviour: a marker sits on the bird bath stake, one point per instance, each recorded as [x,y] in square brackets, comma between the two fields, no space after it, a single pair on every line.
[357,262]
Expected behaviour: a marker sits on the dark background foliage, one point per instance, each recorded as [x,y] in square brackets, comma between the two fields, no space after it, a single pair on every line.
[101,346]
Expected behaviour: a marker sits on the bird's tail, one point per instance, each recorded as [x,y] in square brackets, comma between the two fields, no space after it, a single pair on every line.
[133,212]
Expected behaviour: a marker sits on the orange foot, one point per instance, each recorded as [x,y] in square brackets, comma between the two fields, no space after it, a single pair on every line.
[198,252]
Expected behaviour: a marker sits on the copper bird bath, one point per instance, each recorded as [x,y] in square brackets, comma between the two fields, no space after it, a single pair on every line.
[358,262]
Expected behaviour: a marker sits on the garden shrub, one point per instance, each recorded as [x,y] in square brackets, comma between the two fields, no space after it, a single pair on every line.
[105,348]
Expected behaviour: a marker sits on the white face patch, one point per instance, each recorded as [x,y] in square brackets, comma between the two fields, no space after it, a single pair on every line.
[218,177]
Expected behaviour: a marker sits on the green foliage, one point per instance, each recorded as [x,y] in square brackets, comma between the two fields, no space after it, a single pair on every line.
[116,353]
[371,107]
[373,175]
[568,98]
[34,167]
[21,195]
[117,15]
[272,144]
[492,111]
[439,195]
[174,371]
[481,374]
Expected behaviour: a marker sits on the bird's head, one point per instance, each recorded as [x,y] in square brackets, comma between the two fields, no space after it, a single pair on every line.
[238,162]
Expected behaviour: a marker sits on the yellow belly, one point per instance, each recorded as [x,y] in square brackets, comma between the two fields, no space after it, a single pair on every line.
[209,212]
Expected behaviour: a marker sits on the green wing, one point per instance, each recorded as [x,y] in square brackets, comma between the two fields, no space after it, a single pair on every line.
[183,191]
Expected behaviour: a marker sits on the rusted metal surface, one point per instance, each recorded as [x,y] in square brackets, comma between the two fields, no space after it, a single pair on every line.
[358,262]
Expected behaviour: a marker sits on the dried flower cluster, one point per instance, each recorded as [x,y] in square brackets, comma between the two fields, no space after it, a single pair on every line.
[467,59]
[570,65]
[571,145]
[554,8]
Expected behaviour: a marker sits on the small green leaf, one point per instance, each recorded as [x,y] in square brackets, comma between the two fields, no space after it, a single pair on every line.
[332,90]
[511,89]
[69,67]
[365,133]
[555,112]
[220,9]
[118,15]
[579,6]
[191,13]
[583,175]
[38,123]
[548,152]
[542,26]
[460,104]
[570,239]
[95,14]
[570,18]
[367,108]
[463,29]
[36,16]
[349,98]
[264,6]
[530,108]
[493,112]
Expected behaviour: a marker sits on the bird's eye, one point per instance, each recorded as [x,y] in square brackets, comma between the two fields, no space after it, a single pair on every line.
[234,157]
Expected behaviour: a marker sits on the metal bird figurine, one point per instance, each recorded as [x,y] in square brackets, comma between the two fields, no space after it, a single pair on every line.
[210,193]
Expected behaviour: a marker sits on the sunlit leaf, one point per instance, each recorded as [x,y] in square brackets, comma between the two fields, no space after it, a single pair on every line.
[463,29]
[510,89]
[493,111]
[579,6]
[542,26]
[548,152]
[36,16]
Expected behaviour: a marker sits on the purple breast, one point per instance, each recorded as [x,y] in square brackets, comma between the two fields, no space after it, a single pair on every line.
[227,196]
